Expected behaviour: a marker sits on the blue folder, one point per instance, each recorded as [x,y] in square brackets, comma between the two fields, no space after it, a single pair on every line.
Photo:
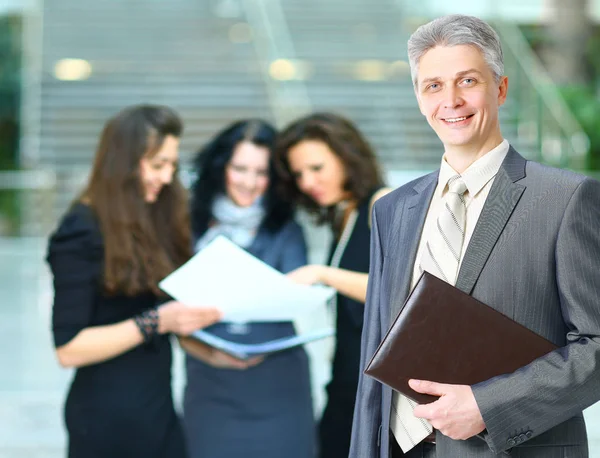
[247,351]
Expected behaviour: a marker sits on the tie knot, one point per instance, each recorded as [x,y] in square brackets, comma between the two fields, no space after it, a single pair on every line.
[457,185]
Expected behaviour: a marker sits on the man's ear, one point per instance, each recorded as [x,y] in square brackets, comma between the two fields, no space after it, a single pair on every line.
[502,90]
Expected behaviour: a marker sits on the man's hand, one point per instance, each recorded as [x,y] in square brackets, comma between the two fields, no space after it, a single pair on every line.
[455,414]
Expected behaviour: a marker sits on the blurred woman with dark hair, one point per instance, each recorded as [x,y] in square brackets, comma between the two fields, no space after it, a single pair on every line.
[257,408]
[329,169]
[123,234]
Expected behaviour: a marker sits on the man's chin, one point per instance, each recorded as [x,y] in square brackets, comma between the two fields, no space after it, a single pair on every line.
[456,142]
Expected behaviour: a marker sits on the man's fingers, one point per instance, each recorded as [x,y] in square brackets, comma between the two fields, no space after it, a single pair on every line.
[427,387]
[426,411]
[422,411]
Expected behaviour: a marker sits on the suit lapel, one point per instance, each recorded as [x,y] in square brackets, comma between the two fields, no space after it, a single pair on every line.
[411,221]
[499,205]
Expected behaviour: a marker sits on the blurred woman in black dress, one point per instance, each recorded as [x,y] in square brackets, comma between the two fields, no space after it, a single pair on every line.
[122,235]
[330,170]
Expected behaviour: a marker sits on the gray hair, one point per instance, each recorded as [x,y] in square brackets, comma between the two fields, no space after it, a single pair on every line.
[456,30]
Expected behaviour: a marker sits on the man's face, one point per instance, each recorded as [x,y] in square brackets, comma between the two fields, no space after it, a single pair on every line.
[459,97]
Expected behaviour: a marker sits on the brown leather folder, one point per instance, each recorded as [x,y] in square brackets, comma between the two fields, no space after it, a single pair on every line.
[444,335]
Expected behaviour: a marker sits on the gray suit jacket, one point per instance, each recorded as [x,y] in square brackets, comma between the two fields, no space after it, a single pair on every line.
[534,256]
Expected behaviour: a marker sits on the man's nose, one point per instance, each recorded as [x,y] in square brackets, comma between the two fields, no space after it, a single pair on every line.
[452,97]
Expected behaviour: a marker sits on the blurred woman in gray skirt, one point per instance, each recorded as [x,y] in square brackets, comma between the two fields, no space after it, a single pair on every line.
[261,408]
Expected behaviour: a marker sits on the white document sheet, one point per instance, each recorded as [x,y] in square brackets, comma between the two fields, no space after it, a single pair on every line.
[244,288]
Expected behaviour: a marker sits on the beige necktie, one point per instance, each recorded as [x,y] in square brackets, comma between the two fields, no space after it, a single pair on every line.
[441,257]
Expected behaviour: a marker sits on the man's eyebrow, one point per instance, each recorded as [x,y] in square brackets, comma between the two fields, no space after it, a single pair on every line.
[458,75]
[430,80]
[466,72]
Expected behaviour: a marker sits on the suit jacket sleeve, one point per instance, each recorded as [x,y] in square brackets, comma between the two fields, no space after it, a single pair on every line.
[367,412]
[560,385]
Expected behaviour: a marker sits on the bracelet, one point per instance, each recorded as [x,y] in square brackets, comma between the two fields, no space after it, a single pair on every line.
[147,323]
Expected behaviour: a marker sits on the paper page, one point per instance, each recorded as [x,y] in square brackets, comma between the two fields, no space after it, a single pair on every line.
[244,288]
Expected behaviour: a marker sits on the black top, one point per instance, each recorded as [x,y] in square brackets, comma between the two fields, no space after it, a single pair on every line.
[123,406]
[350,312]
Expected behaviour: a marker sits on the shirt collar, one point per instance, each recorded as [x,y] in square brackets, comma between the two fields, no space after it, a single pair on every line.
[478,174]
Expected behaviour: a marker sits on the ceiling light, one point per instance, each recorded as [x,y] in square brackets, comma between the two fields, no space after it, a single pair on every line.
[72,69]
[370,70]
[286,69]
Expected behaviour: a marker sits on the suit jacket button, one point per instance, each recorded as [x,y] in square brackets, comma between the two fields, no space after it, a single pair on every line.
[522,437]
[511,442]
[528,434]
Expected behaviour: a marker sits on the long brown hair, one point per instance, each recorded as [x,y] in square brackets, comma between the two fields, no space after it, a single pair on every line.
[142,242]
[345,140]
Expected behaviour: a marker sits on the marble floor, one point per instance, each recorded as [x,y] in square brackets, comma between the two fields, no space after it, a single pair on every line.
[32,385]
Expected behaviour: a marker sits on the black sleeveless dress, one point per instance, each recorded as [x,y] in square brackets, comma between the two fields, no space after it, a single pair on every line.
[120,408]
[336,424]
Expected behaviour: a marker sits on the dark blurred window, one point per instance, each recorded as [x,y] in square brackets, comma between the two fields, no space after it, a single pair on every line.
[10,81]
[10,86]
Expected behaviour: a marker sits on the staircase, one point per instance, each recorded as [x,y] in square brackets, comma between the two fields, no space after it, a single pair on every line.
[357,49]
[182,53]
[176,53]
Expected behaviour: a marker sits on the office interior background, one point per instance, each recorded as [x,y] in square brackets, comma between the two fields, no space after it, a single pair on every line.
[67,65]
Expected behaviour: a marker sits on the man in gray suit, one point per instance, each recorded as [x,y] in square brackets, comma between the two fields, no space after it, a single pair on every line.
[527,244]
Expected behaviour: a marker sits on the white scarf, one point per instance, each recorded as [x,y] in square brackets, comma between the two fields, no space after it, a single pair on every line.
[238,224]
